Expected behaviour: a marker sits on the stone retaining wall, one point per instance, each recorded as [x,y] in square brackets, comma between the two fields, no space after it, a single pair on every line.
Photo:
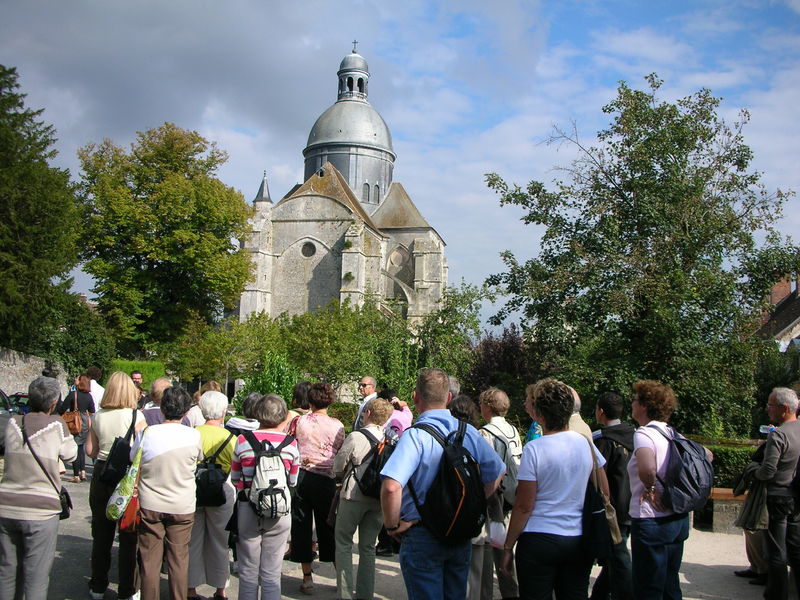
[17,370]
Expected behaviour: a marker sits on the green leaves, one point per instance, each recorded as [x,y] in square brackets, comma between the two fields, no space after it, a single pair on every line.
[649,266]
[161,233]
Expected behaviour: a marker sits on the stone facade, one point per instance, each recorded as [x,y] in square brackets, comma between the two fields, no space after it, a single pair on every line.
[344,235]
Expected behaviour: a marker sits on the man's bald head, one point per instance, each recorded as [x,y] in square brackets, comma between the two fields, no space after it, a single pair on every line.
[158,387]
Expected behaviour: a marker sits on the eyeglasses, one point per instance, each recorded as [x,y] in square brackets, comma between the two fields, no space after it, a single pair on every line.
[365,384]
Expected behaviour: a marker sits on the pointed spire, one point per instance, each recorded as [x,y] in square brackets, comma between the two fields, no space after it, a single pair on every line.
[263,191]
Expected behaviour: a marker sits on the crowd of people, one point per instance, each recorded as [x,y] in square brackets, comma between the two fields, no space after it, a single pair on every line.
[530,541]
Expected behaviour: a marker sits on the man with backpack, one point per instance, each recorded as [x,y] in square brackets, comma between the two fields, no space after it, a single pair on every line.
[778,469]
[505,440]
[614,440]
[420,479]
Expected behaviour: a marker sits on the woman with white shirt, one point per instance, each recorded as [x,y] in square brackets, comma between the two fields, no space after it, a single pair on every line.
[657,533]
[546,521]
[170,453]
[357,511]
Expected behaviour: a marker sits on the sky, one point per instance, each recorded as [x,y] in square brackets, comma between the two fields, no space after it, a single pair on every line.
[466,87]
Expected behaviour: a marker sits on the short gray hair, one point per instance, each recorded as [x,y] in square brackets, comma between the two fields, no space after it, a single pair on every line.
[213,405]
[42,393]
[270,411]
[455,386]
[786,397]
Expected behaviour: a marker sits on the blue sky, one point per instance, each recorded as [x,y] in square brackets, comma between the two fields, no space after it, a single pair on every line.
[466,88]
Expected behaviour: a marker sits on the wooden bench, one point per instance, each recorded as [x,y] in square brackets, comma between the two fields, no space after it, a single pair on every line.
[726,509]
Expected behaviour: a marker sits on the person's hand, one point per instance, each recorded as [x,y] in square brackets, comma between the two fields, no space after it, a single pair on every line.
[653,498]
[401,529]
[507,561]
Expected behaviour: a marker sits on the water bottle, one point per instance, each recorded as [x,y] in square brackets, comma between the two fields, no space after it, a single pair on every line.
[766,429]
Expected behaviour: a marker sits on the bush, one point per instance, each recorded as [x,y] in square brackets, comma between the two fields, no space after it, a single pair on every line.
[275,376]
[729,461]
[344,411]
[151,369]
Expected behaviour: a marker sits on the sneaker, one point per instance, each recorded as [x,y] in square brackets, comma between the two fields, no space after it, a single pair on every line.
[96,595]
[307,587]
[134,597]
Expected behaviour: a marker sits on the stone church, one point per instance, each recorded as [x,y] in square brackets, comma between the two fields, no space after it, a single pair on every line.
[349,231]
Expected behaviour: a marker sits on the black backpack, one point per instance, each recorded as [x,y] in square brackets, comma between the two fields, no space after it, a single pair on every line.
[210,479]
[689,477]
[119,457]
[455,505]
[370,480]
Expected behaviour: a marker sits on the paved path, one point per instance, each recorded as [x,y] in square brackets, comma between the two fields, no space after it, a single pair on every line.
[707,571]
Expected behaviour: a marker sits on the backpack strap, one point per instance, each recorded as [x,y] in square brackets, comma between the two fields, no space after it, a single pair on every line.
[435,434]
[216,454]
[502,438]
[255,444]
[373,441]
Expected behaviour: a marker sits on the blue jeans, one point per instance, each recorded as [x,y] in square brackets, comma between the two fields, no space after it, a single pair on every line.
[548,563]
[431,570]
[783,546]
[656,552]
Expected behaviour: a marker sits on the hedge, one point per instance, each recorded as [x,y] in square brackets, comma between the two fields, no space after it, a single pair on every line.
[151,369]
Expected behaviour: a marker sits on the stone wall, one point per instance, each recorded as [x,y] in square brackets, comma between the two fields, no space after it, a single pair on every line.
[17,370]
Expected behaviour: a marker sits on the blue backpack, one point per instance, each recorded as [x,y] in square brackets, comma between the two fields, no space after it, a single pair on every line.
[689,476]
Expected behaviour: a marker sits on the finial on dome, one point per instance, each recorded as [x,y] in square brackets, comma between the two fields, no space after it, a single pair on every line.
[355,43]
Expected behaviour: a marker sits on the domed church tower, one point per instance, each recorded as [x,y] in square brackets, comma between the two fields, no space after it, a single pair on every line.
[349,231]
[353,137]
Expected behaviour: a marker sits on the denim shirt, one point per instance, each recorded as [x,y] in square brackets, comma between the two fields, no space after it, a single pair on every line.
[418,454]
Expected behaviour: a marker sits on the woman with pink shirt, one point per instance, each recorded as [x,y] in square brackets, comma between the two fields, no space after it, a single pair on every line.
[319,438]
[262,540]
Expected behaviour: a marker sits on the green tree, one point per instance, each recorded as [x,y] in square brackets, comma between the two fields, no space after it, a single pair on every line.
[39,223]
[649,264]
[160,234]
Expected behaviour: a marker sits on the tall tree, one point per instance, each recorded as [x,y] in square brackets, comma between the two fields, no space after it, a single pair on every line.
[161,231]
[38,222]
[649,265]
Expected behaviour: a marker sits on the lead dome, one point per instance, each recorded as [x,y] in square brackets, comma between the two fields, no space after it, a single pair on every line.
[353,137]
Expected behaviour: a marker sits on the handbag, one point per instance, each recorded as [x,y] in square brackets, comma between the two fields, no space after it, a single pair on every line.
[126,489]
[131,517]
[73,417]
[63,494]
[600,527]
[119,457]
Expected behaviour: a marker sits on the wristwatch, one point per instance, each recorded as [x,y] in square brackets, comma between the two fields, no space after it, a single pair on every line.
[395,528]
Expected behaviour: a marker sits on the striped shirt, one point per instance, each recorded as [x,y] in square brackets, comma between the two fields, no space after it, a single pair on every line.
[244,462]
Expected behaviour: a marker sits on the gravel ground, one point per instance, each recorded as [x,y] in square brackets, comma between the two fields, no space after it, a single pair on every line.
[707,571]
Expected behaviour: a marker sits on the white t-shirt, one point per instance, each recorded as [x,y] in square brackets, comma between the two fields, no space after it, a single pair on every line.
[560,463]
[647,437]
[97,391]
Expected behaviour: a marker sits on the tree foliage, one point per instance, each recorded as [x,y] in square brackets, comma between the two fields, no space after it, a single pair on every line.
[649,264]
[39,223]
[339,344]
[160,234]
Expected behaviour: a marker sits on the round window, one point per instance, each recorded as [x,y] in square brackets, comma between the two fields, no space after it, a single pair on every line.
[308,249]
[399,257]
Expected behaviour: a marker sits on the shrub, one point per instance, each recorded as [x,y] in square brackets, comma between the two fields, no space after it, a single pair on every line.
[151,369]
[276,375]
[344,411]
[729,461]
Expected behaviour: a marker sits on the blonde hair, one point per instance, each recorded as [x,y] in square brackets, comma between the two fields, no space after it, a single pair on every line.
[380,410]
[120,392]
[496,401]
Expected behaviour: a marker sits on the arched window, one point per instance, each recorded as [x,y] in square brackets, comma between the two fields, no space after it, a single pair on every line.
[377,194]
[360,85]
[350,84]
[365,193]
[341,84]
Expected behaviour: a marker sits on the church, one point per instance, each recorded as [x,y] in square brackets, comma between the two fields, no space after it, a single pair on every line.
[348,232]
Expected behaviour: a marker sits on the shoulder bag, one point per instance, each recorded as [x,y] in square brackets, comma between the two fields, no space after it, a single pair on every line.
[73,417]
[600,527]
[63,494]
[119,457]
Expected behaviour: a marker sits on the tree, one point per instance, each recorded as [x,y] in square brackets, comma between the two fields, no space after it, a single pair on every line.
[39,223]
[649,265]
[160,234]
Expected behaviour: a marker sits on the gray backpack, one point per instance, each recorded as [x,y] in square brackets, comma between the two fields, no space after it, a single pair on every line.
[505,449]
